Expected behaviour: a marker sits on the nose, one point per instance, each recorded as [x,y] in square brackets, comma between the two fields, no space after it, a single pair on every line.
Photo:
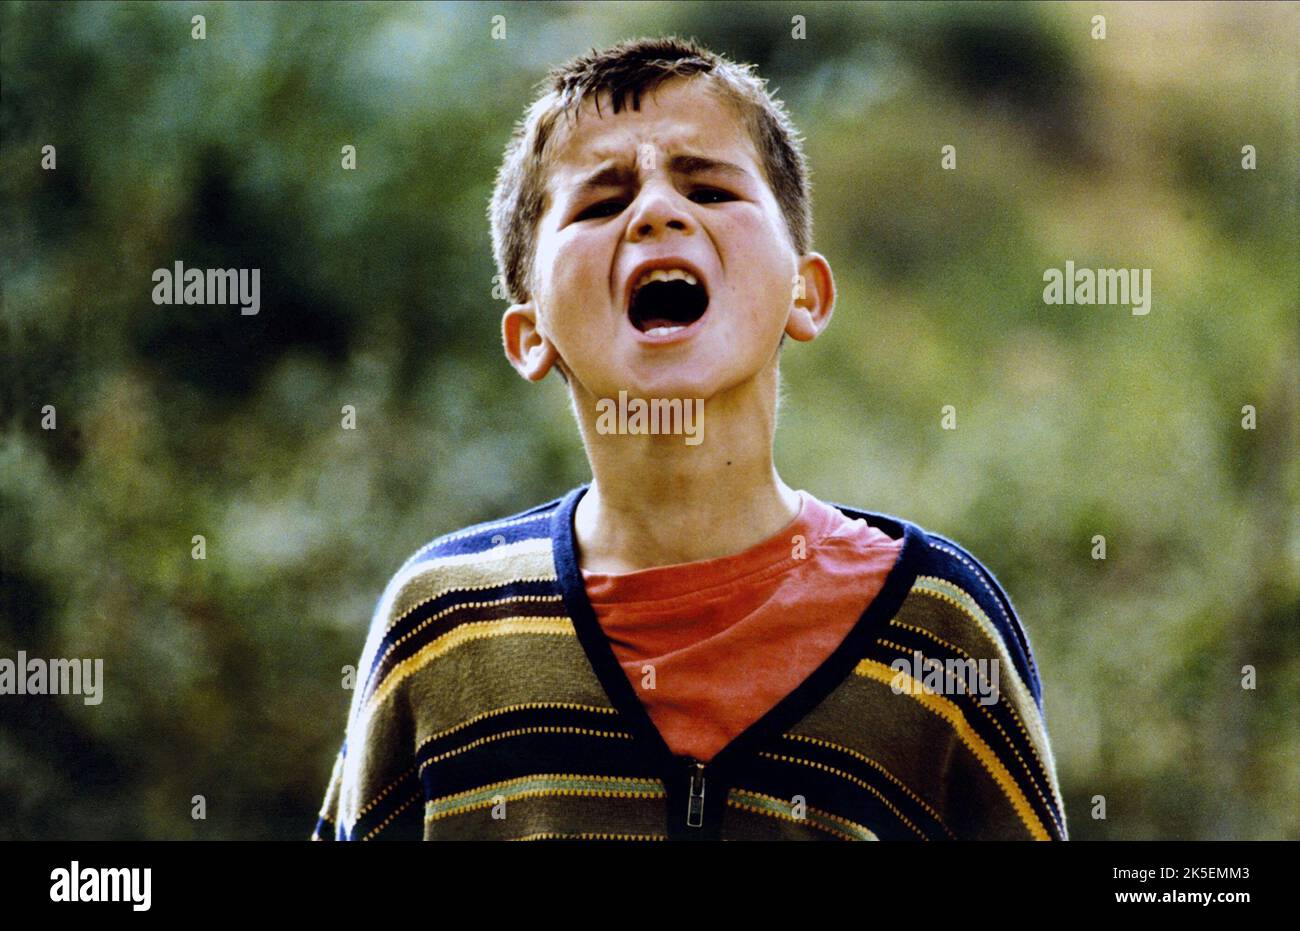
[658,208]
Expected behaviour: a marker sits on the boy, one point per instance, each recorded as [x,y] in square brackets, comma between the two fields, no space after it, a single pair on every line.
[687,648]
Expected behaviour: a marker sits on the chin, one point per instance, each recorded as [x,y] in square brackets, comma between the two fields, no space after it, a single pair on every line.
[671,378]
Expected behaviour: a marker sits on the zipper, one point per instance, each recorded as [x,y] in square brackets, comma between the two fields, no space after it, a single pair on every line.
[695,801]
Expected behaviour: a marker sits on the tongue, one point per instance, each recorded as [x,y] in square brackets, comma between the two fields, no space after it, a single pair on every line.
[649,323]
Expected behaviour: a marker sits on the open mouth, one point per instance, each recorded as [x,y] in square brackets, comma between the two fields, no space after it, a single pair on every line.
[664,302]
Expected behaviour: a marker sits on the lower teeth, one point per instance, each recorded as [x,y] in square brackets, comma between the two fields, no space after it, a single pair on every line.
[663,330]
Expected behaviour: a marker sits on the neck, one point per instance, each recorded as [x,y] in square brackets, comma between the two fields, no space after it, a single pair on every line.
[657,501]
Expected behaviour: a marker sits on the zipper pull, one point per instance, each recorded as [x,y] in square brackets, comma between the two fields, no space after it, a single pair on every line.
[695,807]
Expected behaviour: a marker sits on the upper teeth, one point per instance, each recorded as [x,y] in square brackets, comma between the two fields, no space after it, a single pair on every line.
[664,274]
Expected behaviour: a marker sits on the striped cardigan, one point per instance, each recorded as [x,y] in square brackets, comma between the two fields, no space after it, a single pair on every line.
[489,705]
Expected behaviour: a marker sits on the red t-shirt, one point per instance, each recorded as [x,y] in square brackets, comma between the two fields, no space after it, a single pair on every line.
[728,638]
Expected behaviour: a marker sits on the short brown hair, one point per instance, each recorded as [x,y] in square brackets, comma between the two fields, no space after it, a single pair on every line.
[636,66]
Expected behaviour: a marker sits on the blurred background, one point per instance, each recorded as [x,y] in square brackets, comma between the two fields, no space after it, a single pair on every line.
[223,675]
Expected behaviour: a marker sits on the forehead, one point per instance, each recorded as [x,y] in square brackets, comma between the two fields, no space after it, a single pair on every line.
[677,116]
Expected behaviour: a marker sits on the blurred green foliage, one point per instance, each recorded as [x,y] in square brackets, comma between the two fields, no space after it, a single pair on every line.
[224,675]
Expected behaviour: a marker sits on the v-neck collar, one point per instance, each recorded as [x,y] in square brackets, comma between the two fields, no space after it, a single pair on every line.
[790,709]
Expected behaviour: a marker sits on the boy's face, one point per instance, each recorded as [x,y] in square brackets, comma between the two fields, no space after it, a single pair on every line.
[720,221]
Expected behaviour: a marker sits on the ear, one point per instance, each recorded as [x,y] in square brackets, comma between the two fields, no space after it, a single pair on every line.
[812,298]
[531,353]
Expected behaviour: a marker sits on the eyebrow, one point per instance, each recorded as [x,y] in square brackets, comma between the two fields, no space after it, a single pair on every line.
[622,174]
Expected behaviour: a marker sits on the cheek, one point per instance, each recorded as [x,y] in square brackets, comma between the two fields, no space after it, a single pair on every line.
[577,282]
[588,258]
[766,282]
[759,250]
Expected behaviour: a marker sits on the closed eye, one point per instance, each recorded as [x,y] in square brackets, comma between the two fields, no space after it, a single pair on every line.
[601,209]
[712,192]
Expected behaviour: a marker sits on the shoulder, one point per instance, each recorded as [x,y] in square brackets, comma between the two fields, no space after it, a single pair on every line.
[489,570]
[947,571]
[531,524]
[458,577]
[949,580]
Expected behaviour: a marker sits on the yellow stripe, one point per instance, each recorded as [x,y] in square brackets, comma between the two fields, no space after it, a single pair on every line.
[460,635]
[452,609]
[952,714]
